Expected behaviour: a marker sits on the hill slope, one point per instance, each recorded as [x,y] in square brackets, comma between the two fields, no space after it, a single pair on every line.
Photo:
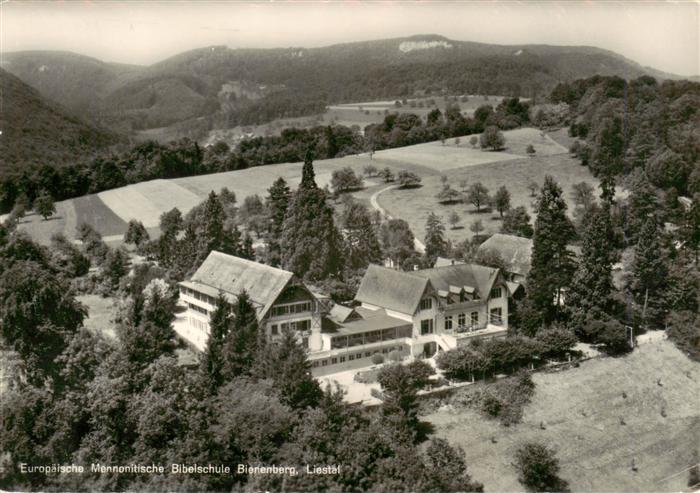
[36,131]
[219,87]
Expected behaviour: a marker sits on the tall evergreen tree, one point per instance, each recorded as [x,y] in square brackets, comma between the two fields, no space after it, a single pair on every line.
[240,344]
[213,228]
[435,243]
[311,244]
[551,263]
[643,202]
[650,272]
[591,289]
[277,202]
[285,363]
[362,244]
[220,325]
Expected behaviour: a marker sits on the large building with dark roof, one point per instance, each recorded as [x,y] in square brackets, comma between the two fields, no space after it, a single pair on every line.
[280,299]
[397,314]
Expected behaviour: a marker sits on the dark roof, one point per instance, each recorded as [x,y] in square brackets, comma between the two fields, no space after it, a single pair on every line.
[376,320]
[342,314]
[232,274]
[391,289]
[442,262]
[514,250]
[465,276]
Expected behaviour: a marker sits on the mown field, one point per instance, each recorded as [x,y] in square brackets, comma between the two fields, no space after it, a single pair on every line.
[110,211]
[581,410]
[460,163]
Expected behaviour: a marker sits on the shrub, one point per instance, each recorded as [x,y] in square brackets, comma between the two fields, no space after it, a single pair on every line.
[408,179]
[538,468]
[377,359]
[491,405]
[344,180]
[461,363]
[492,138]
[556,342]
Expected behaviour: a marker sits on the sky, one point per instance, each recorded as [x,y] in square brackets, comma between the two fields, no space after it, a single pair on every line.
[663,35]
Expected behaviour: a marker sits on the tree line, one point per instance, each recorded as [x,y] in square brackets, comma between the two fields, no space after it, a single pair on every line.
[151,160]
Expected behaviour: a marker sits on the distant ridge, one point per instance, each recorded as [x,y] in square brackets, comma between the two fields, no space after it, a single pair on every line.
[220,87]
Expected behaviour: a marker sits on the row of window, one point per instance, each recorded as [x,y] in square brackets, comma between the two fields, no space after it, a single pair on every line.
[198,324]
[371,337]
[197,295]
[198,308]
[281,310]
[296,325]
[426,304]
[462,320]
[351,357]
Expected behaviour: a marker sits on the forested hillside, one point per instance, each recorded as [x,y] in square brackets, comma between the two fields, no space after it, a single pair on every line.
[220,87]
[38,132]
[637,125]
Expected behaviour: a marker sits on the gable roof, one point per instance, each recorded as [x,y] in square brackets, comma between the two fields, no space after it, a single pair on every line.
[514,250]
[342,314]
[465,276]
[232,274]
[442,262]
[391,289]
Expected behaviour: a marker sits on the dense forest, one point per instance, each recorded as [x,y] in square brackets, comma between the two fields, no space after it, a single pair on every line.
[638,125]
[37,132]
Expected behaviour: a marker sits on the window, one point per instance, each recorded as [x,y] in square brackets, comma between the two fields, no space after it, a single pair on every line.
[426,304]
[351,357]
[281,310]
[496,293]
[334,361]
[300,325]
[475,318]
[461,320]
[358,356]
[496,316]
[448,322]
[314,364]
[368,354]
[342,359]
[426,326]
[274,330]
[324,362]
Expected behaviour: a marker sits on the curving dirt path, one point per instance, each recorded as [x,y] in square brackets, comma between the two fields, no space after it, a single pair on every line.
[417,244]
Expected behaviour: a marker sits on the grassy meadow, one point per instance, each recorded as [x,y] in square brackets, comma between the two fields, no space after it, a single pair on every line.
[582,410]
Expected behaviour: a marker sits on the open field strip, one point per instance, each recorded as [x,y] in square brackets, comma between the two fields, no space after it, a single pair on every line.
[109,212]
[148,200]
[581,410]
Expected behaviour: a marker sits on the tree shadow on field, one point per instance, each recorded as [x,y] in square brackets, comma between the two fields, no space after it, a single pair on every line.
[423,430]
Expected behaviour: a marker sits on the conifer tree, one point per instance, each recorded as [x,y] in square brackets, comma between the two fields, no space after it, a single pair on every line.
[642,203]
[551,263]
[362,244]
[592,287]
[220,325]
[213,228]
[311,244]
[650,272]
[277,204]
[435,243]
[285,363]
[240,345]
